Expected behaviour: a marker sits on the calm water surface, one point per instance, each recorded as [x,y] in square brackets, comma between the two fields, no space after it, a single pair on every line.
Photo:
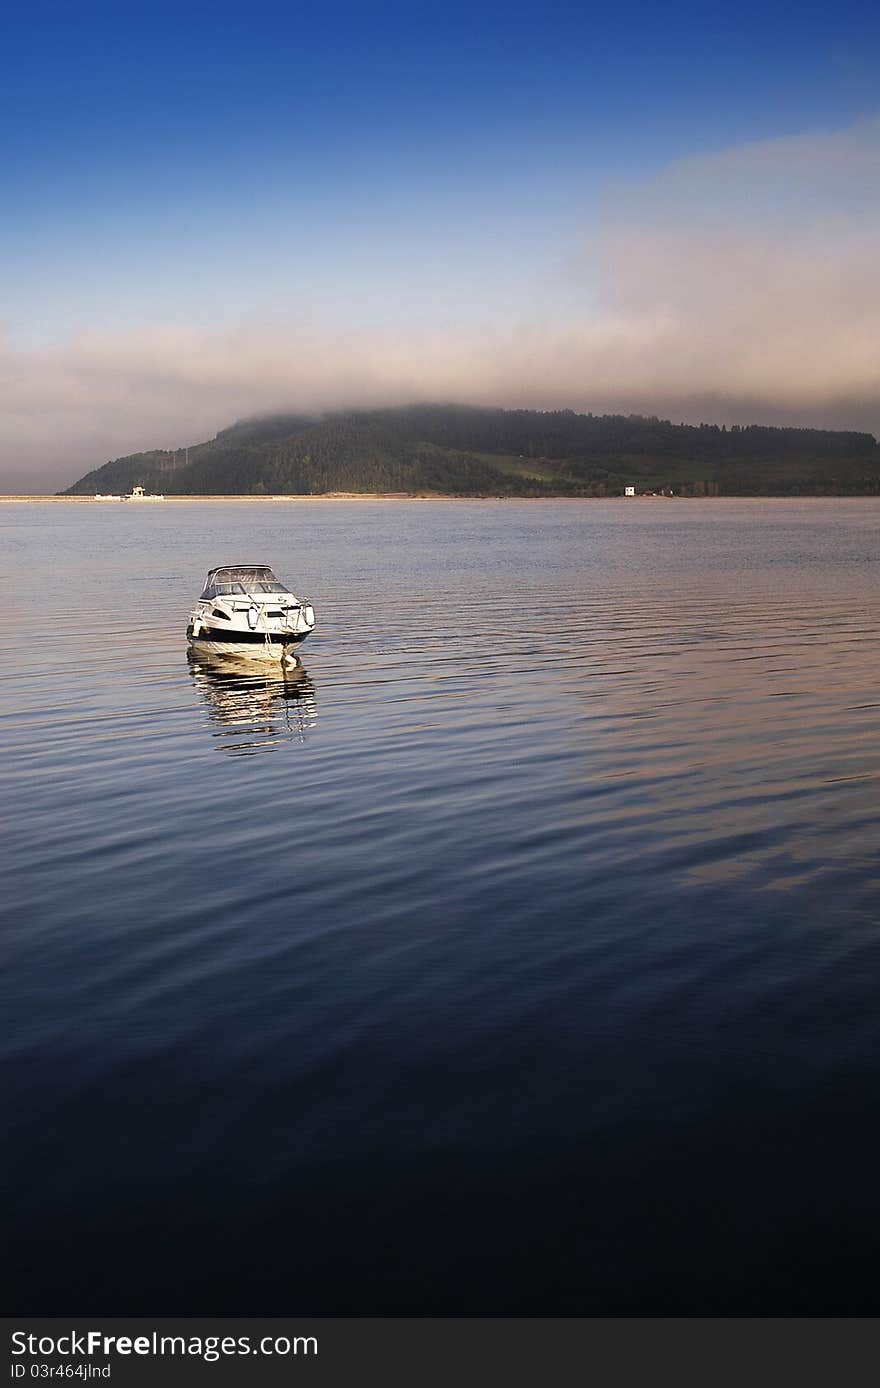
[518,954]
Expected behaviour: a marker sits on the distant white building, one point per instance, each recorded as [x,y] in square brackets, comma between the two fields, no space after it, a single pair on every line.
[138,494]
[629,491]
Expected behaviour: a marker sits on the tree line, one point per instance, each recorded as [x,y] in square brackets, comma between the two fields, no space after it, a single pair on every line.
[466,450]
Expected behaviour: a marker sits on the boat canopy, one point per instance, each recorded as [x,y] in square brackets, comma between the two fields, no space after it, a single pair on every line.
[241,579]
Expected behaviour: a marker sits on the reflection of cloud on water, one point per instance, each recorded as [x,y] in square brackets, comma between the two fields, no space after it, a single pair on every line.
[257,708]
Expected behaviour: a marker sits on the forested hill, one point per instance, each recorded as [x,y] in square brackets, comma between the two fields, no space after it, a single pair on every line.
[454,450]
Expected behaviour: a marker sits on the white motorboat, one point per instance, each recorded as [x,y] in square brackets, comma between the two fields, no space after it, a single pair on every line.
[244,611]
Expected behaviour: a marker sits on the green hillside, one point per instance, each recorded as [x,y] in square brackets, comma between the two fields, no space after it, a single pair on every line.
[455,450]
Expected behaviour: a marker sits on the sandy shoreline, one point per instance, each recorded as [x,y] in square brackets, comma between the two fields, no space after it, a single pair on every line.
[341,496]
[421,496]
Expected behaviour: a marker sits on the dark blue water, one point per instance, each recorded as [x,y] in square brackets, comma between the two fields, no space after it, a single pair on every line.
[520,953]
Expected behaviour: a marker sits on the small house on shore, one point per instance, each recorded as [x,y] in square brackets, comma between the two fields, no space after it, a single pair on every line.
[138,494]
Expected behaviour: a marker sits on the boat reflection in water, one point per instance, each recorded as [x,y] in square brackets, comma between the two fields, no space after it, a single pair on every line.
[256,708]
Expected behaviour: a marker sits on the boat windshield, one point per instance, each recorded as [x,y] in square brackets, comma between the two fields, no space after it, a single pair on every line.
[241,579]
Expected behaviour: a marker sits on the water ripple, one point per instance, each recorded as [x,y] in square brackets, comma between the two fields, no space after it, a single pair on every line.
[568,818]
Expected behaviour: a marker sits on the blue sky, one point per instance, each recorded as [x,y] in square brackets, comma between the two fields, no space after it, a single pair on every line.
[207,183]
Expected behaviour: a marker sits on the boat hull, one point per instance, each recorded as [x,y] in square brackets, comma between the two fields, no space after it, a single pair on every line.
[250,645]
